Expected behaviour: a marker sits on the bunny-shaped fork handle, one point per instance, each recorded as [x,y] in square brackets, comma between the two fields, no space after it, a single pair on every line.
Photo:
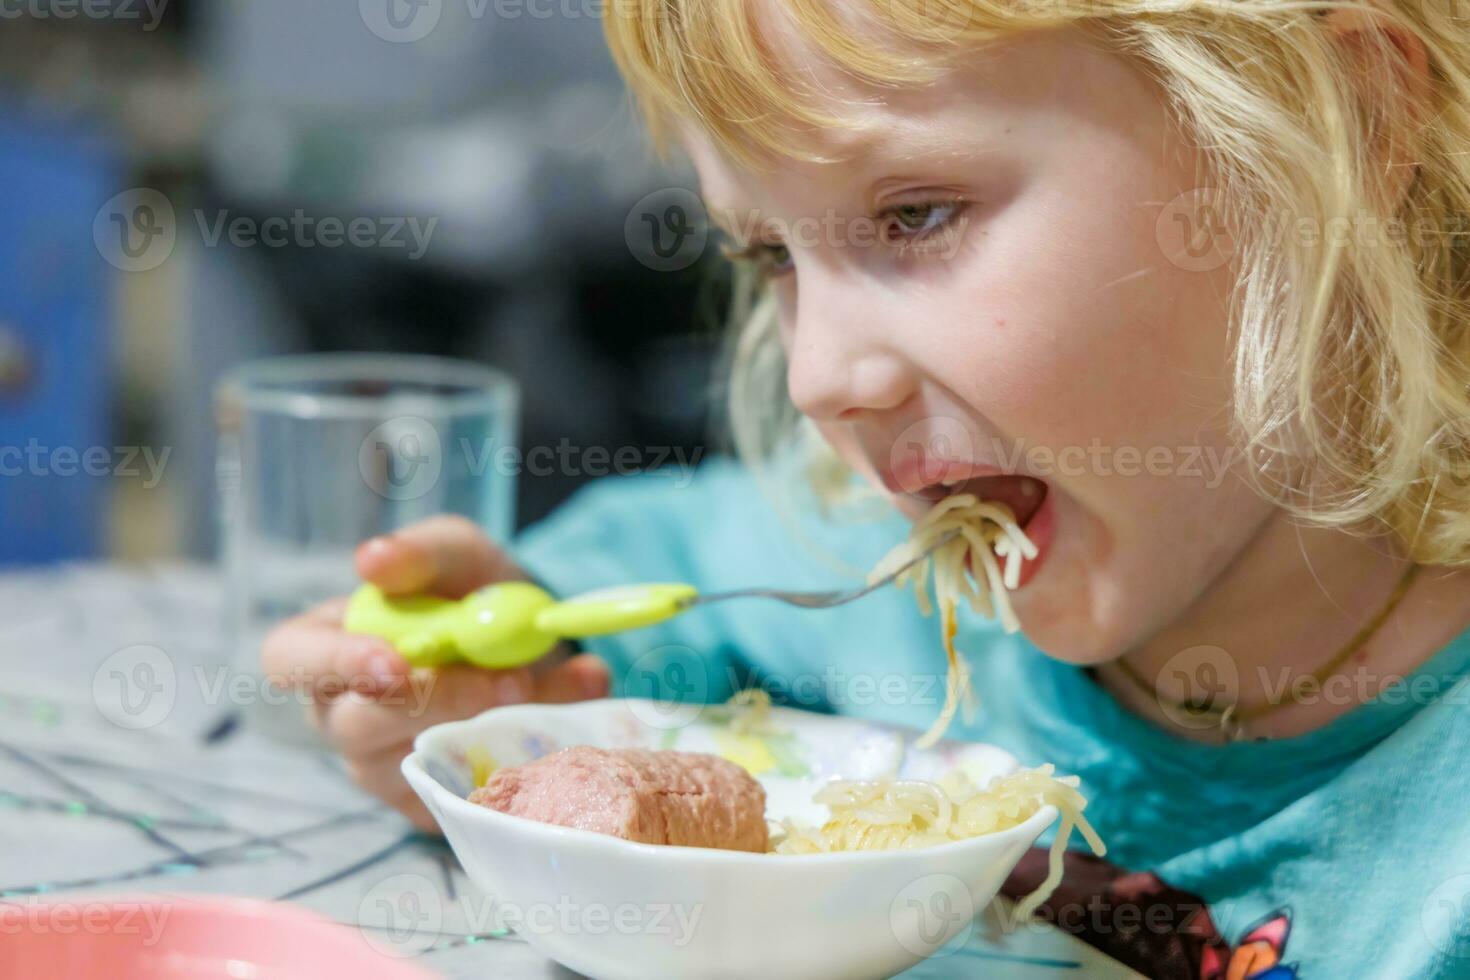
[513,623]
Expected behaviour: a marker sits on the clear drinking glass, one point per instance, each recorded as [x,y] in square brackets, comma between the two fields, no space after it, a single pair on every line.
[319,452]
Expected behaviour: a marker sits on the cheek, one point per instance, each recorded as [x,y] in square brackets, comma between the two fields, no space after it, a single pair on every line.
[1109,367]
[1101,595]
[1082,330]
[1088,322]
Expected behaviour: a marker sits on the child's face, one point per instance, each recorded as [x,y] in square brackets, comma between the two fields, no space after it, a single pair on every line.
[1057,330]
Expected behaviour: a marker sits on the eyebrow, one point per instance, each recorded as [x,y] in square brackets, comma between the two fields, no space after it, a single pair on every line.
[887,146]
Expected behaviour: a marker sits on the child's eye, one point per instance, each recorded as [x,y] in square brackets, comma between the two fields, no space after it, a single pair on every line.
[906,226]
[920,219]
[770,258]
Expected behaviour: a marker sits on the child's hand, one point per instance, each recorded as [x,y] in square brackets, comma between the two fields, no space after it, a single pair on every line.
[368,702]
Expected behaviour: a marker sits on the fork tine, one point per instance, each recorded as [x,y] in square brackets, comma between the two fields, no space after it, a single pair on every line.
[824,600]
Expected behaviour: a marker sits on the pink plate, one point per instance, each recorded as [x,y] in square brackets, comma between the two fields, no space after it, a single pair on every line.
[163,937]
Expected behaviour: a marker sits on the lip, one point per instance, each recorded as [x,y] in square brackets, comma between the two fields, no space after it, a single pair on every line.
[918,475]
[919,482]
[1041,529]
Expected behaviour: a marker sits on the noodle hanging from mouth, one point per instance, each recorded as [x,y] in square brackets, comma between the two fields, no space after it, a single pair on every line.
[986,533]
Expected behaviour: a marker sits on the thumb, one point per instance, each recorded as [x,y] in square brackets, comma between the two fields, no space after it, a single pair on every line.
[447,555]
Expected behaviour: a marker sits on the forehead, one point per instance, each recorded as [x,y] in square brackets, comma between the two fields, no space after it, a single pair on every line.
[971,109]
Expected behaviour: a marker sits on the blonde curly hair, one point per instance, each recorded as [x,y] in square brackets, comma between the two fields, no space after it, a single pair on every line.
[1351,357]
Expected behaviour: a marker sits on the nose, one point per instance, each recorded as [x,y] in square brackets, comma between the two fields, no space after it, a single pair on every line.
[842,360]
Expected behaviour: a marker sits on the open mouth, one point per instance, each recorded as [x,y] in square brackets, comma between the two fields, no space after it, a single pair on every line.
[1028,498]
[1024,495]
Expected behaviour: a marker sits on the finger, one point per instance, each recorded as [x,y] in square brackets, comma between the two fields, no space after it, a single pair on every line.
[466,690]
[446,555]
[360,729]
[363,724]
[580,678]
[309,654]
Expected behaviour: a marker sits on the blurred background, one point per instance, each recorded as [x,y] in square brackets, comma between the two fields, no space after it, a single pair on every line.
[172,171]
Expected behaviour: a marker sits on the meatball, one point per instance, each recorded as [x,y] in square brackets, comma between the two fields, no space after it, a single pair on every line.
[654,797]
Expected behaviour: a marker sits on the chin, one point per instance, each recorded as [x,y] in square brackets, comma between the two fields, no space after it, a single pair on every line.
[1073,610]
[1078,643]
[1070,635]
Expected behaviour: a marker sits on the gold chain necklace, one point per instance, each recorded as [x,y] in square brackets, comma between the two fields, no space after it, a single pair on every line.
[1232,718]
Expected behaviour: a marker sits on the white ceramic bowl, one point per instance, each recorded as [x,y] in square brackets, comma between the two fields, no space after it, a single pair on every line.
[611,909]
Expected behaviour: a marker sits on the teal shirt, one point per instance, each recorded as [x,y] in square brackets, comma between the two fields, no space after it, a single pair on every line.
[1341,853]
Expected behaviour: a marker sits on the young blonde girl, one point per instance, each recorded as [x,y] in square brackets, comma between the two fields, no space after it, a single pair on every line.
[1184,284]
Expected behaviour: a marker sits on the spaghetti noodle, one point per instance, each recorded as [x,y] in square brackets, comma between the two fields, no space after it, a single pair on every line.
[967,567]
[872,815]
